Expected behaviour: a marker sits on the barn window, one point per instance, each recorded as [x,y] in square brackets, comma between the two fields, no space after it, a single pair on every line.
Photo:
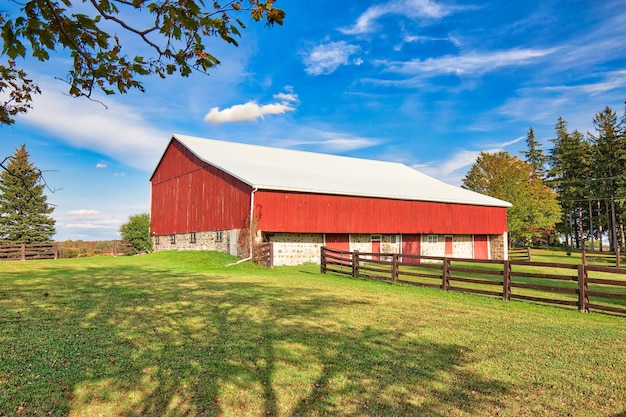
[218,236]
[432,239]
[192,237]
[156,240]
[173,239]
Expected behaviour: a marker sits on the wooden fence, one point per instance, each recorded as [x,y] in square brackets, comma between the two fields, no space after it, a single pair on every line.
[32,251]
[582,286]
[24,252]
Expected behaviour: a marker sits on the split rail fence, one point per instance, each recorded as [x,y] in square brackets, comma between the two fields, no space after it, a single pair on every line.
[586,287]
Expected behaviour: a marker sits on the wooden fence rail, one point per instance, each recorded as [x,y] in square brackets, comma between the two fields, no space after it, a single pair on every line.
[582,286]
[32,251]
[22,251]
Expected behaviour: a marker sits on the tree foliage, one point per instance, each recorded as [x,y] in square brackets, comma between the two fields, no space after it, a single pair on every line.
[535,208]
[24,211]
[172,32]
[137,231]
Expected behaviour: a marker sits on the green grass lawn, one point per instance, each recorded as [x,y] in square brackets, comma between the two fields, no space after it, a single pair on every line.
[173,334]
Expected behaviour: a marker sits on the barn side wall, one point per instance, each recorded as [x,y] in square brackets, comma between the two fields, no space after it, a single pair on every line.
[188,195]
[317,213]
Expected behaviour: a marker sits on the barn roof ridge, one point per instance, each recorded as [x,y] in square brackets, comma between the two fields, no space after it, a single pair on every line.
[279,169]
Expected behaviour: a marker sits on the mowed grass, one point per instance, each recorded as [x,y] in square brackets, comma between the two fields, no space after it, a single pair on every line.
[178,333]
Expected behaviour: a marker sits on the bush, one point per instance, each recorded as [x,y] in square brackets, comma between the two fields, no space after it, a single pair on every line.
[137,231]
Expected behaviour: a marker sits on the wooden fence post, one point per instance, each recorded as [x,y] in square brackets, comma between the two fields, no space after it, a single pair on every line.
[355,264]
[528,254]
[322,260]
[506,281]
[584,256]
[617,259]
[445,275]
[55,250]
[23,252]
[115,248]
[394,267]
[583,299]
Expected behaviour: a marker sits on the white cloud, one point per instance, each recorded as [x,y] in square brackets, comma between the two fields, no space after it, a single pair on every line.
[410,8]
[101,165]
[251,110]
[324,59]
[475,63]
[119,132]
[83,212]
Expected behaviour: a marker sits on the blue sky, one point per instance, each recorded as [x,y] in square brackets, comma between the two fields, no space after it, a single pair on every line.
[425,82]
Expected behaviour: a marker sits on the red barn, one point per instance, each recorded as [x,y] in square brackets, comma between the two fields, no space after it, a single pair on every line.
[206,194]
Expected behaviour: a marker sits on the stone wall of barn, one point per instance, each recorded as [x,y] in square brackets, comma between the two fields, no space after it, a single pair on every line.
[498,245]
[296,248]
[226,241]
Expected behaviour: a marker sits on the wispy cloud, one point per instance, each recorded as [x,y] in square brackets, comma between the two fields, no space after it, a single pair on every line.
[101,165]
[454,168]
[83,212]
[325,58]
[88,125]
[252,110]
[410,8]
[474,63]
[328,141]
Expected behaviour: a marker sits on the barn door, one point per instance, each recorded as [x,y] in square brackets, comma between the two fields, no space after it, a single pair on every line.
[481,247]
[411,244]
[376,239]
[448,246]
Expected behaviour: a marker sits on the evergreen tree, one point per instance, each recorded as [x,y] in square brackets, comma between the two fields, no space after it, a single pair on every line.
[534,156]
[609,165]
[24,212]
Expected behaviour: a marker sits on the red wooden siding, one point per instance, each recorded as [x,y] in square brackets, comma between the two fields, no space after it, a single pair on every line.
[481,247]
[318,213]
[411,244]
[338,241]
[189,195]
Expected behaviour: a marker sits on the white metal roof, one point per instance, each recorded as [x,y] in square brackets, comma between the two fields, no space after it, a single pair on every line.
[269,168]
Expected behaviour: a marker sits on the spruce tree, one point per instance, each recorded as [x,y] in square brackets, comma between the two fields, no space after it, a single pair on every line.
[24,212]
[534,156]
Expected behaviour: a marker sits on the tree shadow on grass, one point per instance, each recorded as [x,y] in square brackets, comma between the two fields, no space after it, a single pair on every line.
[132,341]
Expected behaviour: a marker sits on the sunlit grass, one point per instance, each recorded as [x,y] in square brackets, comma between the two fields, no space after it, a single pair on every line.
[181,334]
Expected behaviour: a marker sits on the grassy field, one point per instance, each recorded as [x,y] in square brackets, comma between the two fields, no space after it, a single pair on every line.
[174,334]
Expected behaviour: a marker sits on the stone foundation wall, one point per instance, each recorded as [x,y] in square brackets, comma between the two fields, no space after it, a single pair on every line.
[222,241]
[296,248]
[498,245]
[462,246]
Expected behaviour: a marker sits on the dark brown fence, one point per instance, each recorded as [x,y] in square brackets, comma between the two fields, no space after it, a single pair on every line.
[582,286]
[24,252]
[519,254]
[602,258]
[32,251]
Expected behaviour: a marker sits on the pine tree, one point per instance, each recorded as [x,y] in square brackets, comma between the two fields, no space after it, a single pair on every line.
[534,156]
[609,164]
[24,212]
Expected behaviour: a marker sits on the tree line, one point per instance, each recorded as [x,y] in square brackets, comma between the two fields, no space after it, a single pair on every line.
[572,194]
